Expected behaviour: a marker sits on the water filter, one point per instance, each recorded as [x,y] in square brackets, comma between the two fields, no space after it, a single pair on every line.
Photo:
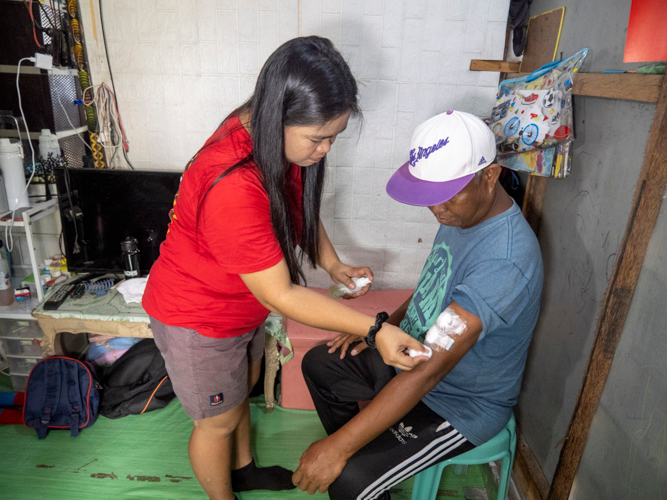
[48,143]
[11,165]
[4,205]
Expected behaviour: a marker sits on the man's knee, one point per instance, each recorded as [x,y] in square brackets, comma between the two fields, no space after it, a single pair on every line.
[349,484]
[316,363]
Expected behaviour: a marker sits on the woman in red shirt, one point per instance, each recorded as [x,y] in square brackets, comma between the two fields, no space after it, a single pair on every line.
[246,200]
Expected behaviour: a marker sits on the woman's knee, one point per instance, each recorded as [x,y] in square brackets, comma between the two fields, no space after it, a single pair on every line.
[220,426]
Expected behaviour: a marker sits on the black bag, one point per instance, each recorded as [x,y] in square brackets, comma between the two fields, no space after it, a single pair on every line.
[136,383]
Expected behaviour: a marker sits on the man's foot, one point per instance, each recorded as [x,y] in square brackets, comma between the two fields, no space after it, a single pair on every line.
[252,477]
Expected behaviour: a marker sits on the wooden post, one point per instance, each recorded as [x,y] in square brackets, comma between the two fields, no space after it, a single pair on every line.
[620,290]
[533,200]
[527,472]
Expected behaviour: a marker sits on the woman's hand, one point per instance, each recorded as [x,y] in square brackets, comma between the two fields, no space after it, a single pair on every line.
[394,344]
[344,340]
[342,273]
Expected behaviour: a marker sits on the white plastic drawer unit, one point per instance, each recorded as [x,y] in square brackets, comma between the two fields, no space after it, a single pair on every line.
[22,365]
[19,382]
[21,337]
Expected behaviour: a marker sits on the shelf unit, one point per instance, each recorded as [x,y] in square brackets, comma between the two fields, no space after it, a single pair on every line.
[25,220]
[18,315]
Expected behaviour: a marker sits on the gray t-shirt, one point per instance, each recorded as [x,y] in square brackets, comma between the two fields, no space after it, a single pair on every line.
[493,270]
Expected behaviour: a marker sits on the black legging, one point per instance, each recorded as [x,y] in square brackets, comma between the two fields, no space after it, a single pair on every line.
[420,439]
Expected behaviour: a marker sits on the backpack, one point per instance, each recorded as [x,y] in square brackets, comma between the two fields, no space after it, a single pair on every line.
[136,383]
[61,393]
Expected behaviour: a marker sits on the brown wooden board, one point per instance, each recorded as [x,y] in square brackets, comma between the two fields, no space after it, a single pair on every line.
[629,86]
[533,200]
[542,39]
[618,298]
[529,475]
[488,65]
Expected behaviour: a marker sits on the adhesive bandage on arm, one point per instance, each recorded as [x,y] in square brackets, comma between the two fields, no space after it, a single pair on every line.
[441,335]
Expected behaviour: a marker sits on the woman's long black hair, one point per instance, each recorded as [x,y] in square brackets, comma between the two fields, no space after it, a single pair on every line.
[304,82]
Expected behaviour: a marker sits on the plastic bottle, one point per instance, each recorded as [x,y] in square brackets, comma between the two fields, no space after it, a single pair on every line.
[6,288]
[131,258]
[11,164]
[339,289]
[48,143]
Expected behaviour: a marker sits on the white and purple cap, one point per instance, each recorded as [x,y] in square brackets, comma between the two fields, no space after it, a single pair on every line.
[445,153]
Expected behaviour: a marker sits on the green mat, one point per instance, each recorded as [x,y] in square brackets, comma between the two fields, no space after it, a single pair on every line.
[145,456]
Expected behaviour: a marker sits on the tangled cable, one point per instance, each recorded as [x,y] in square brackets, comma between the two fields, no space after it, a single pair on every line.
[102,100]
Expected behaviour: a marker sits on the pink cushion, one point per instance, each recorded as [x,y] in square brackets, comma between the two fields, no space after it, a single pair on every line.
[303,338]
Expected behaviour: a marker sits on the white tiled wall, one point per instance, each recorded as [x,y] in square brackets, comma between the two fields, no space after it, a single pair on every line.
[180,66]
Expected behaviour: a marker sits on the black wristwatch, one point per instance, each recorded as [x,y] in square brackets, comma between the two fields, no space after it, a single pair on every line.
[372,332]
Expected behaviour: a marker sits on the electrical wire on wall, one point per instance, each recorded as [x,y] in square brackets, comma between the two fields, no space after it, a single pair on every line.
[109,123]
[79,58]
[8,229]
[125,147]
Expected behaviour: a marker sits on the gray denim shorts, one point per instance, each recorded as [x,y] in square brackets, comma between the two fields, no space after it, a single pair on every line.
[209,375]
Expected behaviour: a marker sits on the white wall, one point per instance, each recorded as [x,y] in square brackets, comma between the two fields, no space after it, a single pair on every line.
[180,66]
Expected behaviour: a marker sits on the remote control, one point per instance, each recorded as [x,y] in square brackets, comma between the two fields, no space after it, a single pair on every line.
[57,299]
[79,290]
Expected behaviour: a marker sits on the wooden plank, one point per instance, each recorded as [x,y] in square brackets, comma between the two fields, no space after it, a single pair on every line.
[488,65]
[524,482]
[628,86]
[535,480]
[542,39]
[533,200]
[618,298]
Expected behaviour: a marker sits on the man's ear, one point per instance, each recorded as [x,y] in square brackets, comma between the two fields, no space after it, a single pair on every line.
[491,175]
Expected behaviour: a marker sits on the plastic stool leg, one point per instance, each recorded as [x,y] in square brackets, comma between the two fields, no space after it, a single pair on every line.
[505,471]
[426,484]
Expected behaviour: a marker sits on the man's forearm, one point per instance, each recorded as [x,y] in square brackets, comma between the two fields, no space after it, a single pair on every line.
[405,390]
[393,402]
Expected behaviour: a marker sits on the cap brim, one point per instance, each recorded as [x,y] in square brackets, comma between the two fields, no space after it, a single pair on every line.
[408,189]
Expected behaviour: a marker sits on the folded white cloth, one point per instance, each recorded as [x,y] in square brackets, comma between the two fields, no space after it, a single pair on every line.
[133,290]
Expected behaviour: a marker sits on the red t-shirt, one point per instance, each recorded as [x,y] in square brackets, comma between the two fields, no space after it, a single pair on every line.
[195,283]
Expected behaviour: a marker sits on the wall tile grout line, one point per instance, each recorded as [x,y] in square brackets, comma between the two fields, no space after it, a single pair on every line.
[410,57]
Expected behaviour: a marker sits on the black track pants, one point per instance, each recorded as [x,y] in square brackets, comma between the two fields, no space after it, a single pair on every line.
[420,439]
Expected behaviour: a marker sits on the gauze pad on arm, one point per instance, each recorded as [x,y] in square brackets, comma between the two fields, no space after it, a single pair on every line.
[413,353]
[447,326]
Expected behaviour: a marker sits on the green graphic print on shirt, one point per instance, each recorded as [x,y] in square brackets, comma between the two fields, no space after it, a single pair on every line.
[427,301]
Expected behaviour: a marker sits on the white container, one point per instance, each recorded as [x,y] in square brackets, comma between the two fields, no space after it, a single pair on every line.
[11,165]
[6,288]
[4,205]
[48,143]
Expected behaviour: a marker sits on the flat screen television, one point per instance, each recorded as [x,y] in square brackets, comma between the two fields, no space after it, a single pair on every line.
[107,206]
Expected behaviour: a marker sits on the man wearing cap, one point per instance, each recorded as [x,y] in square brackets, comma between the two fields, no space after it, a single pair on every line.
[482,281]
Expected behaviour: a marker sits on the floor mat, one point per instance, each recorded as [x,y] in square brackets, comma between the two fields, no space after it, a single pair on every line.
[145,456]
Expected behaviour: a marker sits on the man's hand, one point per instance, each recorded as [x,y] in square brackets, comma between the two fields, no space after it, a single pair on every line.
[319,466]
[342,273]
[344,341]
